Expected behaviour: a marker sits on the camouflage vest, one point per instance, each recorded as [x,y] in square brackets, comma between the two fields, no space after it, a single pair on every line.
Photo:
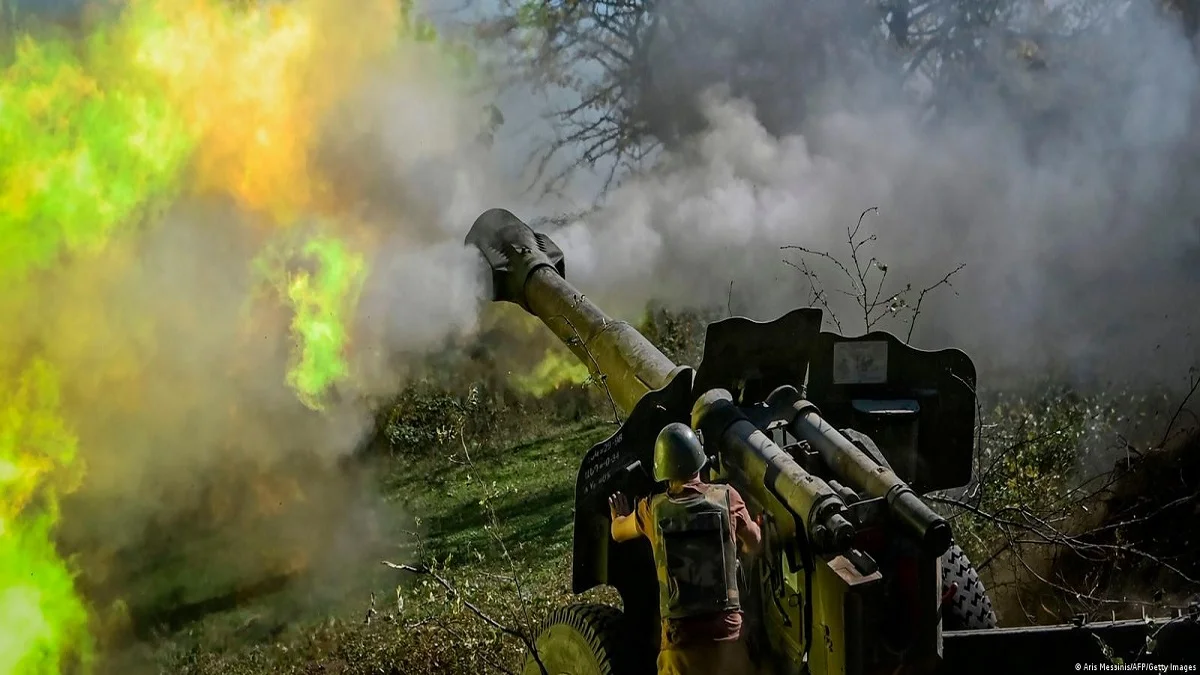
[695,554]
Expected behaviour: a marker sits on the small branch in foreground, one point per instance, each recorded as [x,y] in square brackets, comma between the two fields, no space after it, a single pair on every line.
[820,254]
[818,294]
[370,611]
[1049,535]
[1179,410]
[921,297]
[494,528]
[428,571]
[425,570]
[874,304]
[522,629]
[867,307]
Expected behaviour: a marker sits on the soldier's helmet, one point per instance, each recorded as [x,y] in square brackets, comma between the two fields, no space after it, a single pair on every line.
[678,453]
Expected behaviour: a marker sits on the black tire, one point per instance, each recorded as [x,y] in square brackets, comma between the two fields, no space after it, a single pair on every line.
[970,608]
[578,640]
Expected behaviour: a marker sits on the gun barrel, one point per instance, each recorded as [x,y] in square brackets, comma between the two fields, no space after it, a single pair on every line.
[847,460]
[527,269]
[745,448]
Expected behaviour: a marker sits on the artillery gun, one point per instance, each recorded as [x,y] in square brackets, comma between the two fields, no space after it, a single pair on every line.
[832,440]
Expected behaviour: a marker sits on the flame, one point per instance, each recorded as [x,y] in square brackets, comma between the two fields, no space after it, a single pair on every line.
[321,296]
[78,155]
[254,84]
[98,132]
[42,620]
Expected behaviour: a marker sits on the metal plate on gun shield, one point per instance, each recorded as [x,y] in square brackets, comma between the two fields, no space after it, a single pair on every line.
[860,362]
[751,358]
[880,367]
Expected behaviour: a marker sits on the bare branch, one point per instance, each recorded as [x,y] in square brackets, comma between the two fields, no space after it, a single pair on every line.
[821,254]
[521,633]
[1179,410]
[860,289]
[921,298]
[494,529]
[426,570]
[818,295]
[874,304]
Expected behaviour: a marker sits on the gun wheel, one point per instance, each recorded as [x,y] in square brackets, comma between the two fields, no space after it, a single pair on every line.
[970,608]
[577,640]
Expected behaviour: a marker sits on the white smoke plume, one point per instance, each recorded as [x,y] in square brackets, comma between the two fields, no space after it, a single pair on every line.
[1074,209]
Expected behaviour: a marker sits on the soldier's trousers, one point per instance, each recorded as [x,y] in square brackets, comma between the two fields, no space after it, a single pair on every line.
[712,658]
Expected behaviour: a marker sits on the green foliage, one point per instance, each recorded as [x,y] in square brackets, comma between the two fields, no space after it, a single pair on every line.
[575,403]
[433,414]
[529,485]
[679,334]
[1042,455]
[425,633]
[1029,464]
[395,643]
[425,418]
[534,14]
[550,16]
[428,418]
[1024,462]
[462,59]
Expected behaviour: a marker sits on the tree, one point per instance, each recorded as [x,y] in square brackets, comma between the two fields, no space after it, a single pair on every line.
[636,68]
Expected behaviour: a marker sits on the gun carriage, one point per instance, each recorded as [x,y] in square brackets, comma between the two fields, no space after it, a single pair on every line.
[833,440]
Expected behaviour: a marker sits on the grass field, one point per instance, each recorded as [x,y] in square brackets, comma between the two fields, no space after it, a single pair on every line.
[487,524]
[451,501]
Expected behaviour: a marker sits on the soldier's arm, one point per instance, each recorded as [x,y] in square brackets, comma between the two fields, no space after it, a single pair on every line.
[625,528]
[624,521]
[748,532]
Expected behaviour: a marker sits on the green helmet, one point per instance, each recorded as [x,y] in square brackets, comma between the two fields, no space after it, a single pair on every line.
[678,453]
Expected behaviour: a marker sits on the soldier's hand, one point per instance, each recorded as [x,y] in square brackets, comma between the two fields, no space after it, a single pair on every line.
[618,505]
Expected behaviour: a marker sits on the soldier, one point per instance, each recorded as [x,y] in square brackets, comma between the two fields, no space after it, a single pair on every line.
[694,530]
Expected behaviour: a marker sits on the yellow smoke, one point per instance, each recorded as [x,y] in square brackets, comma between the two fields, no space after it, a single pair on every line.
[558,368]
[254,84]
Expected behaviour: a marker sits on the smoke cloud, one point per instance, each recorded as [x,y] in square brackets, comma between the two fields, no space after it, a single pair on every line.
[313,182]
[1066,190]
[249,230]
